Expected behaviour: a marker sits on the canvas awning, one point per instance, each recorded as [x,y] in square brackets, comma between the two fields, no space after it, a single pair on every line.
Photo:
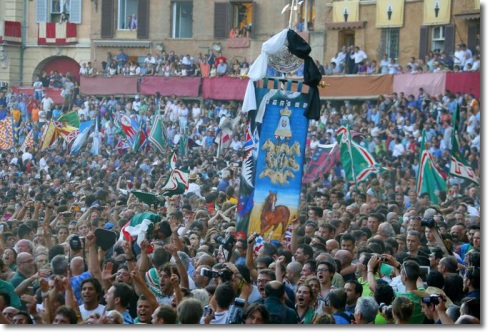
[122,43]
[469,15]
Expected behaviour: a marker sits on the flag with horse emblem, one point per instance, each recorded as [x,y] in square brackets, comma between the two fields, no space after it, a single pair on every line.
[279,166]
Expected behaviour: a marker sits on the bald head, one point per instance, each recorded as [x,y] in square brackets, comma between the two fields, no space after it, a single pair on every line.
[344,256]
[467,319]
[293,271]
[77,266]
[365,209]
[23,257]
[330,245]
[206,259]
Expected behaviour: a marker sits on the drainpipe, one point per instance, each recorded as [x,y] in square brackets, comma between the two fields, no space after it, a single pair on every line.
[22,46]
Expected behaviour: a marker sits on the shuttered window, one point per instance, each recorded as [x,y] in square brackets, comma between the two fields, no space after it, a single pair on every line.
[41,11]
[221,20]
[75,11]
[473,37]
[424,41]
[450,30]
[107,29]
[143,19]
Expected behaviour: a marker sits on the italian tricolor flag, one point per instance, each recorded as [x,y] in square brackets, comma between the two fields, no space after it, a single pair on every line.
[429,177]
[139,226]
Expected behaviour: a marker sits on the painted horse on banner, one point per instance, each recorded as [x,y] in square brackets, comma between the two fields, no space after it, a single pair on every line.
[273,216]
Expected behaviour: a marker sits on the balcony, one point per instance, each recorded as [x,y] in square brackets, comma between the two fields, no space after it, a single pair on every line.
[241,42]
[57,34]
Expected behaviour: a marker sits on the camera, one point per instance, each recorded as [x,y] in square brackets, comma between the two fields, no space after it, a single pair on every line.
[428,222]
[434,299]
[236,312]
[226,243]
[225,275]
[75,243]
[387,310]
[252,237]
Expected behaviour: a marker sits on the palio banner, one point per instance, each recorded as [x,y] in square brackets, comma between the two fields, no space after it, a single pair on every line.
[345,11]
[437,12]
[389,13]
[279,163]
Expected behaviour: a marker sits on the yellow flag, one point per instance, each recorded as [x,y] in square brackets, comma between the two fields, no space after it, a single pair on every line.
[389,13]
[346,11]
[437,12]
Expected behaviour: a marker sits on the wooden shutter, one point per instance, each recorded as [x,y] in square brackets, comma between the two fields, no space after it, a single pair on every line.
[473,37]
[424,41]
[107,29]
[41,11]
[254,20]
[75,11]
[449,35]
[143,19]
[221,20]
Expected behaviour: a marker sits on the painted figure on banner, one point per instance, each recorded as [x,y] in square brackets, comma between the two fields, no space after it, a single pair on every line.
[273,215]
[283,131]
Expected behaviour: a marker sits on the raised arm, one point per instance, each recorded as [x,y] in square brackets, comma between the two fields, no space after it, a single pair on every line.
[295,223]
[250,258]
[93,262]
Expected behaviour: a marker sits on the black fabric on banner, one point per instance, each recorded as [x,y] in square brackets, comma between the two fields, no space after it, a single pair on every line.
[311,74]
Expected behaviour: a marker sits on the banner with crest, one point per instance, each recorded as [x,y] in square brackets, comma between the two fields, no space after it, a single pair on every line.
[280,150]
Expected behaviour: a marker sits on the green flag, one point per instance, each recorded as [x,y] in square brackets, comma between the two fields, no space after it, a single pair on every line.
[148,198]
[459,165]
[176,184]
[71,119]
[172,160]
[158,135]
[429,178]
[357,162]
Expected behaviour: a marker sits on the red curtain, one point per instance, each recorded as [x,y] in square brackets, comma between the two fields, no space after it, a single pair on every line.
[464,82]
[167,86]
[224,88]
[108,85]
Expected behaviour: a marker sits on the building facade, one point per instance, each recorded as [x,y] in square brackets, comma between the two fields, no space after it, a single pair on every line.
[61,34]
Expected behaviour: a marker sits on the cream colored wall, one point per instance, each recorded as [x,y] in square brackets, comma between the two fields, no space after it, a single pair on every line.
[10,74]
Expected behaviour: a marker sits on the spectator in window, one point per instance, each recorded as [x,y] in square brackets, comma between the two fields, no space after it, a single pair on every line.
[144,70]
[359,57]
[132,22]
[192,69]
[211,58]
[151,71]
[221,58]
[372,68]
[467,60]
[149,59]
[134,69]
[244,69]
[476,63]
[112,70]
[384,64]
[236,67]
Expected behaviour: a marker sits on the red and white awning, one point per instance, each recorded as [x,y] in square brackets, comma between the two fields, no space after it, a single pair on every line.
[10,32]
[57,34]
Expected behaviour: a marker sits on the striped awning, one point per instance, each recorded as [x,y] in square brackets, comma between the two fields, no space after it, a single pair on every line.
[122,43]
[469,15]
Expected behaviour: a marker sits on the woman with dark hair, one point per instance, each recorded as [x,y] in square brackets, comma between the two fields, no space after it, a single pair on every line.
[256,313]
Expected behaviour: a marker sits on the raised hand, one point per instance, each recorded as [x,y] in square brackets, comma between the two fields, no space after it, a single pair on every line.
[107,272]
[174,278]
[90,239]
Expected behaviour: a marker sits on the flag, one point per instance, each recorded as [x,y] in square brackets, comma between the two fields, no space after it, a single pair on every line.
[158,135]
[459,165]
[95,148]
[80,139]
[245,205]
[129,127]
[148,198]
[28,141]
[172,160]
[6,133]
[357,162]
[455,119]
[429,177]
[139,226]
[323,159]
[122,144]
[70,119]
[176,184]
[49,136]
[67,133]
[192,144]
[141,136]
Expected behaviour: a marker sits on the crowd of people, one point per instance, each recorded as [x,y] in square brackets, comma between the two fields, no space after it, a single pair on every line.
[353,60]
[355,255]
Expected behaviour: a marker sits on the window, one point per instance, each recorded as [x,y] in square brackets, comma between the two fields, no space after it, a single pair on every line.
[182,23]
[127,15]
[438,38]
[307,15]
[242,18]
[389,43]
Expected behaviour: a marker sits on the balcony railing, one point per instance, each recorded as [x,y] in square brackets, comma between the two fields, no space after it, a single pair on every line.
[10,32]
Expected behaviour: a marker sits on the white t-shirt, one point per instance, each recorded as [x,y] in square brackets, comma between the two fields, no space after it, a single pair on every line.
[86,313]
[47,103]
[398,149]
[359,56]
[220,318]
[195,112]
[26,156]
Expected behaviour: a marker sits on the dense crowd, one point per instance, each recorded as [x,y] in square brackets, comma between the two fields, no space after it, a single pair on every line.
[356,254]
